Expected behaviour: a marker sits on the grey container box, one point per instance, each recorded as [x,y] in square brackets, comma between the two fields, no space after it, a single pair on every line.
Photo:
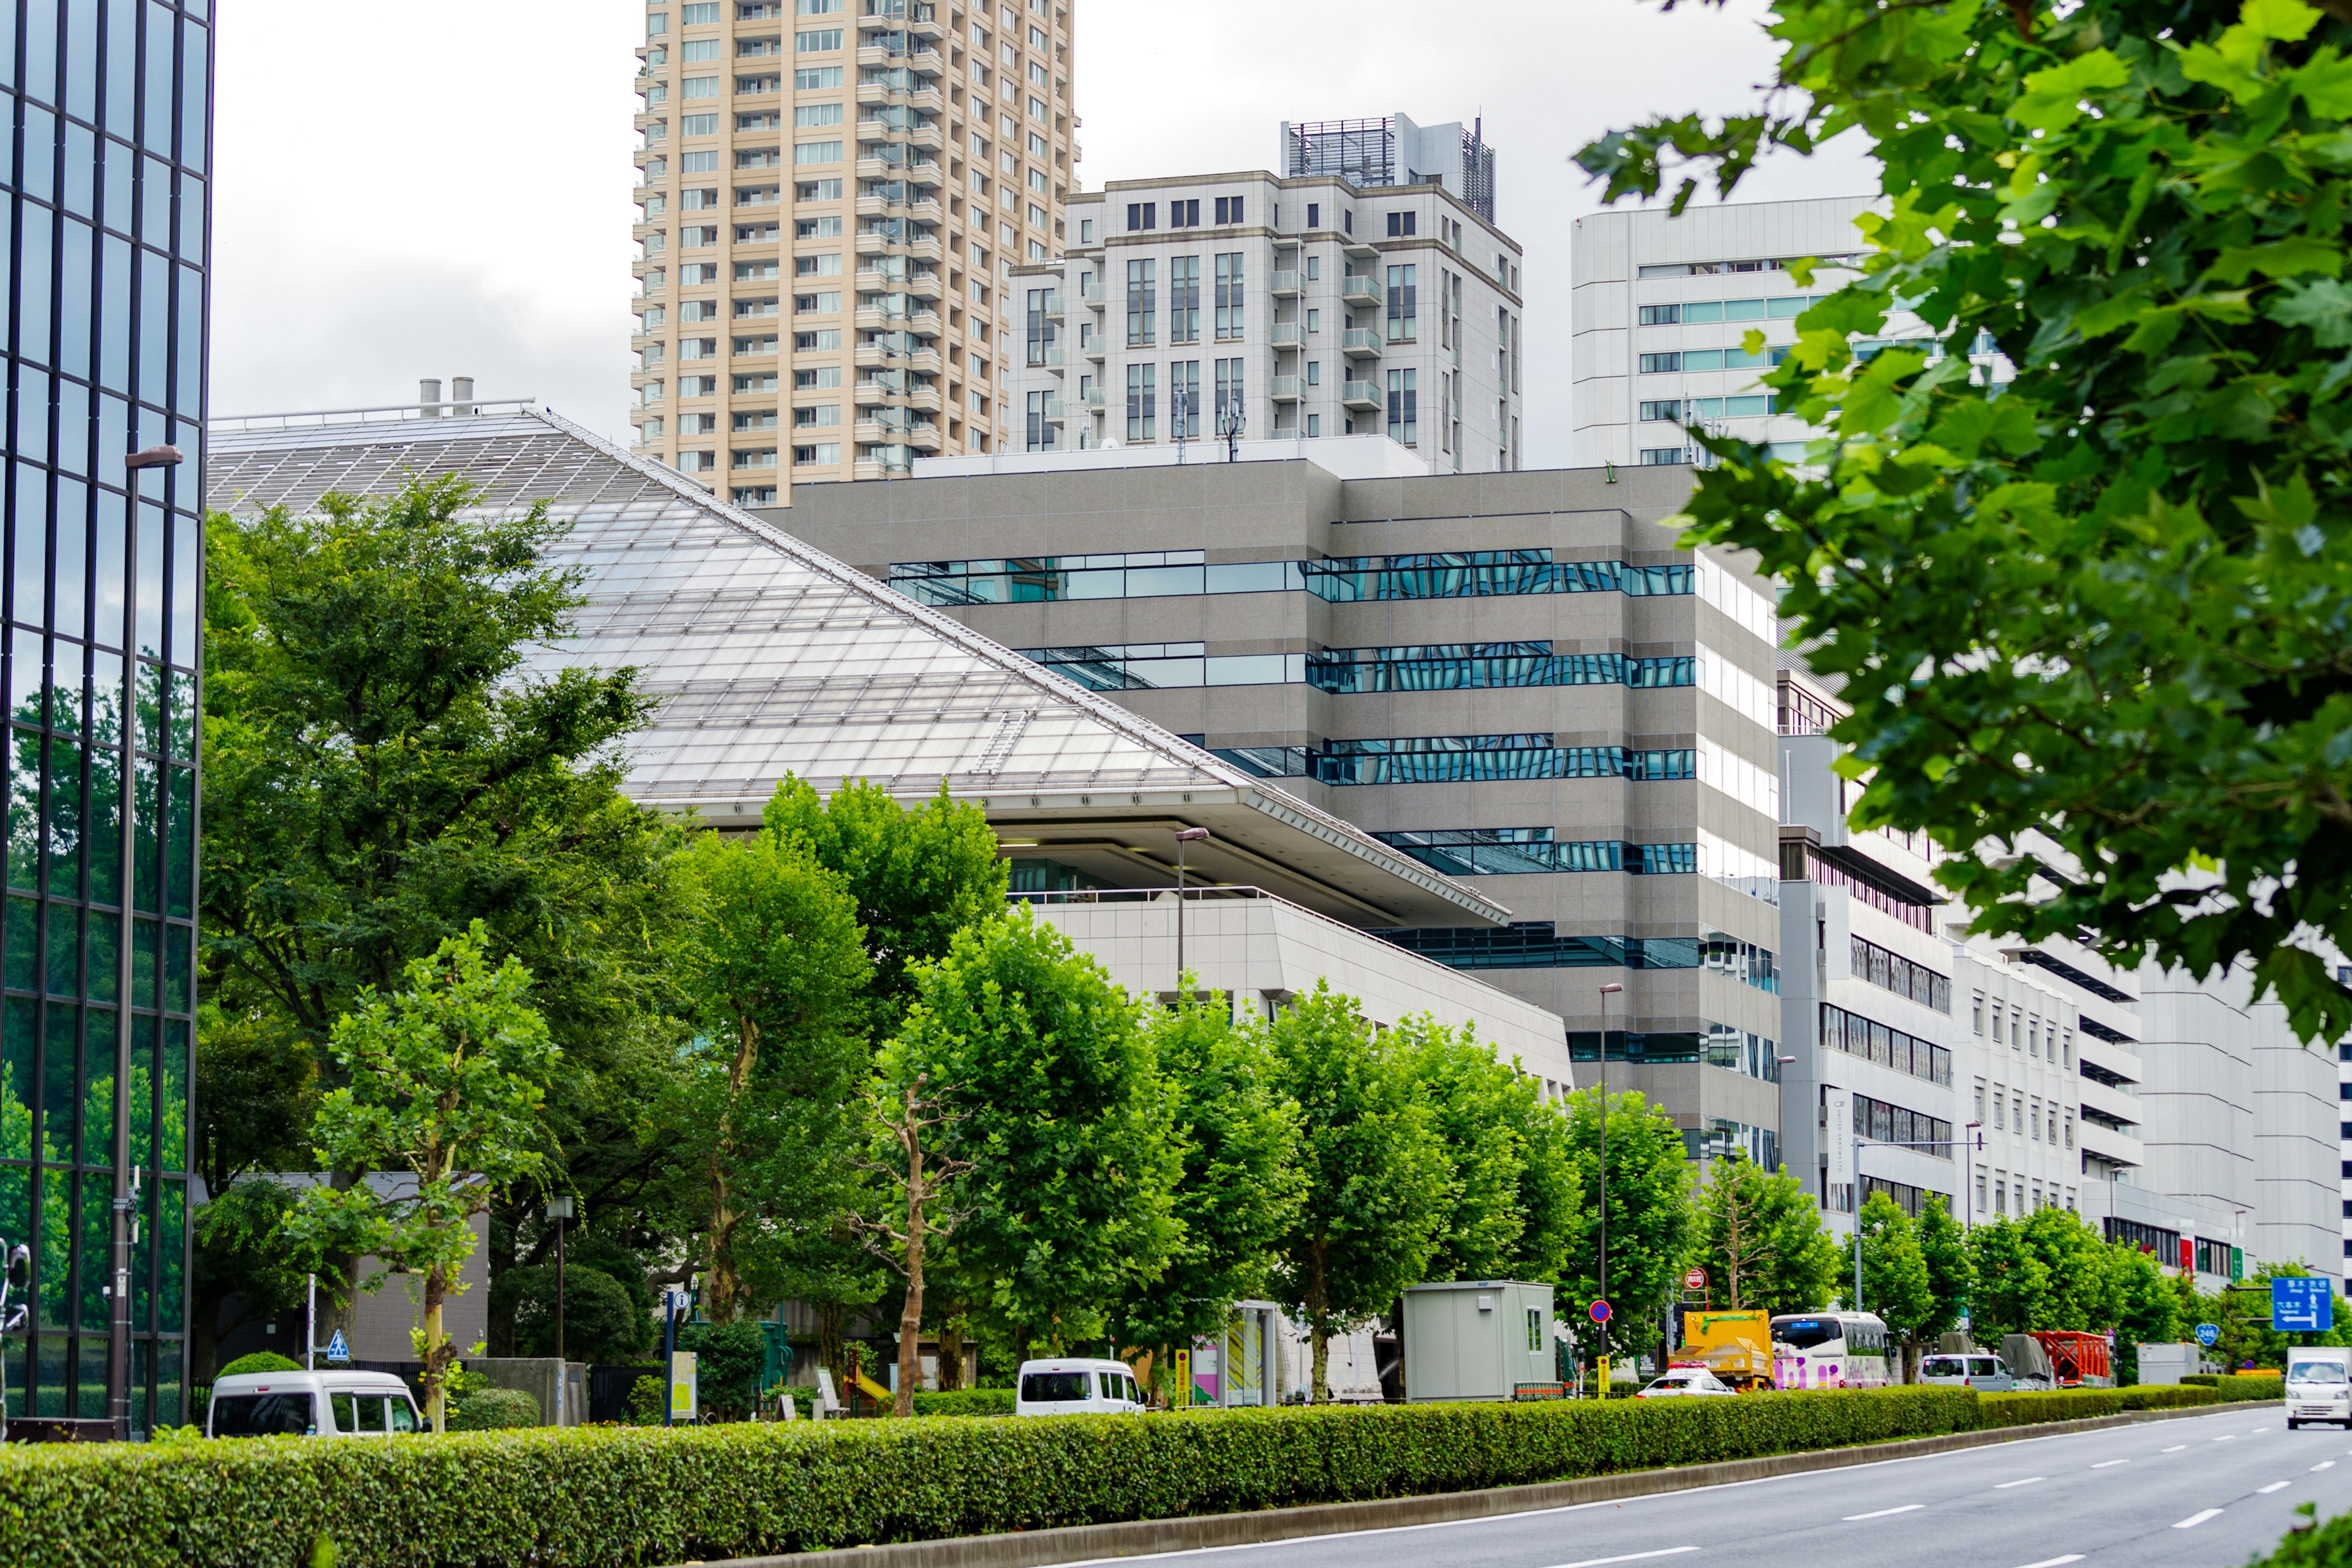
[1476,1339]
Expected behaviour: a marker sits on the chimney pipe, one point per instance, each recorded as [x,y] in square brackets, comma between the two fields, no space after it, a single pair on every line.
[461,393]
[428,397]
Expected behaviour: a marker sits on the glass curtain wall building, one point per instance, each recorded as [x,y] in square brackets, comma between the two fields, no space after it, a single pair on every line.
[107,236]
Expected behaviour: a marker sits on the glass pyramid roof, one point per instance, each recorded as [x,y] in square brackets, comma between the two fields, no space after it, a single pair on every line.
[771,658]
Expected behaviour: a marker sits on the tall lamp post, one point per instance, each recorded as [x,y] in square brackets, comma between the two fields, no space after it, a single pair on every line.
[1187,836]
[559,1210]
[1612,989]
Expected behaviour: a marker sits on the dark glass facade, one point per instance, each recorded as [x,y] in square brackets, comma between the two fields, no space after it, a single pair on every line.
[106,233]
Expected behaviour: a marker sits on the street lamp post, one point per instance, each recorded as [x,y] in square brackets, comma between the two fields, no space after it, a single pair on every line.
[1189,836]
[559,1210]
[1859,1140]
[1606,992]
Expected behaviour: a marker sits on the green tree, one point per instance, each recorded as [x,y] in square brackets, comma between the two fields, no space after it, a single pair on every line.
[2148,1305]
[256,1091]
[1376,1181]
[2048,1270]
[384,768]
[764,1113]
[1514,1201]
[918,877]
[1951,1273]
[2135,649]
[1760,1237]
[1653,1226]
[608,1306]
[1239,1183]
[1894,1283]
[1046,1071]
[445,1084]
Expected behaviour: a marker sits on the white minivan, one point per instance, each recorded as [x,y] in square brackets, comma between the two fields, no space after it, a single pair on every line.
[312,1405]
[1076,1386]
[1980,1370]
[2318,1385]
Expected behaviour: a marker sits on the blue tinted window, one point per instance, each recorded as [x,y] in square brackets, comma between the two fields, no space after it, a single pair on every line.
[191,245]
[194,75]
[71,556]
[76,262]
[155,203]
[81,59]
[113,436]
[149,603]
[186,580]
[189,395]
[33,286]
[121,64]
[41,49]
[81,172]
[118,164]
[73,427]
[32,413]
[155,126]
[115,338]
[154,330]
[30,601]
[108,565]
[40,152]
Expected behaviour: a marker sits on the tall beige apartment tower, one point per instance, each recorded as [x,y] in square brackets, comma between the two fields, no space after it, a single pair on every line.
[832,193]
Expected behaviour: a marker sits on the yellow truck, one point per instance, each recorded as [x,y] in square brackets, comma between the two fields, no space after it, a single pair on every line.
[1735,1346]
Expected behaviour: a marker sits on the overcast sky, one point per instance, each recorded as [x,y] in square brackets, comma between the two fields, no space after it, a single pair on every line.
[448,194]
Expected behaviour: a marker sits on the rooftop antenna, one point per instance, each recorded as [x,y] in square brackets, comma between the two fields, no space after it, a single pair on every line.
[1229,426]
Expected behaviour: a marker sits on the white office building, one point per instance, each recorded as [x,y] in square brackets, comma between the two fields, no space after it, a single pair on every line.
[1663,307]
[1186,307]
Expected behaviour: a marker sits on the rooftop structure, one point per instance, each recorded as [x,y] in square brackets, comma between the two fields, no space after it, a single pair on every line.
[1391,150]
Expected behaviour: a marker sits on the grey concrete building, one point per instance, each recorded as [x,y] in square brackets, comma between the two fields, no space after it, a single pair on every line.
[1516,678]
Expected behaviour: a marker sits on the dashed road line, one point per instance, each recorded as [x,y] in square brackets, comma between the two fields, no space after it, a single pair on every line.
[1886,1512]
[1631,1557]
[2026,1482]
[2273,1487]
[2109,1464]
[2194,1519]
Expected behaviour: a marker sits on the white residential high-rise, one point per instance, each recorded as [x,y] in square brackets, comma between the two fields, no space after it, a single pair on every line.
[1663,307]
[1299,308]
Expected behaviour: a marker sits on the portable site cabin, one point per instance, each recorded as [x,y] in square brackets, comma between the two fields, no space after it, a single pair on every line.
[1476,1339]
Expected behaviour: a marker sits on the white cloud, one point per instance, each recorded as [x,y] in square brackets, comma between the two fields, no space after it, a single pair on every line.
[444,189]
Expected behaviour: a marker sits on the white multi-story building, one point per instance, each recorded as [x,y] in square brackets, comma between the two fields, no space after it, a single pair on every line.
[1663,309]
[1184,307]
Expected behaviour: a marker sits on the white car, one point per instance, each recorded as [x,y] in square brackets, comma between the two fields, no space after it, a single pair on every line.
[2318,1386]
[1685,1381]
[312,1405]
[1076,1386]
[1980,1370]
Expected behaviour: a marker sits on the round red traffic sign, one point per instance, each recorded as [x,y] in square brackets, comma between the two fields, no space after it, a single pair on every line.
[1695,1280]
[1599,1311]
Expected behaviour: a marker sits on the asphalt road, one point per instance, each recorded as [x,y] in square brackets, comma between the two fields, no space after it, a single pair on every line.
[2209,1492]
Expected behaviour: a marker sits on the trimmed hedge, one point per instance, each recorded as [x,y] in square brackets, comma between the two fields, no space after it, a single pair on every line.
[2239,1386]
[2083,1403]
[966,1402]
[617,1496]
[494,1409]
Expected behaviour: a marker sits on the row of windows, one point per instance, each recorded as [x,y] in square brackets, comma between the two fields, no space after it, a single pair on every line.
[1673,457]
[1721,1138]
[57,1094]
[1709,358]
[93,580]
[1445,667]
[1469,574]
[1519,851]
[65,949]
[1889,1048]
[1460,759]
[1804,863]
[57,1376]
[107,182]
[1693,313]
[1883,1123]
[1713,1045]
[118,67]
[1903,976]
[1679,410]
[1536,944]
[113,320]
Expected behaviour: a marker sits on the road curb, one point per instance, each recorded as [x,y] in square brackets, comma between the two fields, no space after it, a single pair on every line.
[1148,1537]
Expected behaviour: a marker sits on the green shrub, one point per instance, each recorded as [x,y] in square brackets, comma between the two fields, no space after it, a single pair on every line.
[259,1361]
[2200,1379]
[2083,1404]
[2252,1387]
[490,1409]
[966,1402]
[613,1494]
[2327,1546]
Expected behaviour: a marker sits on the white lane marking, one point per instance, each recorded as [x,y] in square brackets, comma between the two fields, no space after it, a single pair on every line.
[2273,1487]
[2194,1519]
[2109,1464]
[2026,1482]
[2174,1449]
[2057,1561]
[1631,1557]
[1886,1512]
[2225,1436]
[2323,1465]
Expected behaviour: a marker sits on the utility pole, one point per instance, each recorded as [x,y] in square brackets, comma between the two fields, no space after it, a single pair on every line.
[559,1210]
[1606,992]
[1187,836]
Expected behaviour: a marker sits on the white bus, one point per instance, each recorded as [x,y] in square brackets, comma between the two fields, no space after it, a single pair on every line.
[1829,1349]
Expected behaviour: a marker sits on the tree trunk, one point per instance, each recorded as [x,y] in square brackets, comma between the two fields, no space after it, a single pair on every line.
[911,1317]
[438,1352]
[1318,1298]
[723,1285]
[829,1327]
[950,1350]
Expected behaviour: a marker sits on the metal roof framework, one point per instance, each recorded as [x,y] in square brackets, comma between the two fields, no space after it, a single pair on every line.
[772,658]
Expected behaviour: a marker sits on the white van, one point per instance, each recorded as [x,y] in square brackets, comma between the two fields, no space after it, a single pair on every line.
[312,1405]
[1980,1370]
[2318,1385]
[1076,1386]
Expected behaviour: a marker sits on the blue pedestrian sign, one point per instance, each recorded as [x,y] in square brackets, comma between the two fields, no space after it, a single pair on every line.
[2208,1334]
[2302,1305]
[337,1349]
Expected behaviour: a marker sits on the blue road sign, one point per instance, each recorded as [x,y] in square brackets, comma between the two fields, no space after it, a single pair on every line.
[337,1349]
[2208,1334]
[2302,1305]
[1600,1310]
